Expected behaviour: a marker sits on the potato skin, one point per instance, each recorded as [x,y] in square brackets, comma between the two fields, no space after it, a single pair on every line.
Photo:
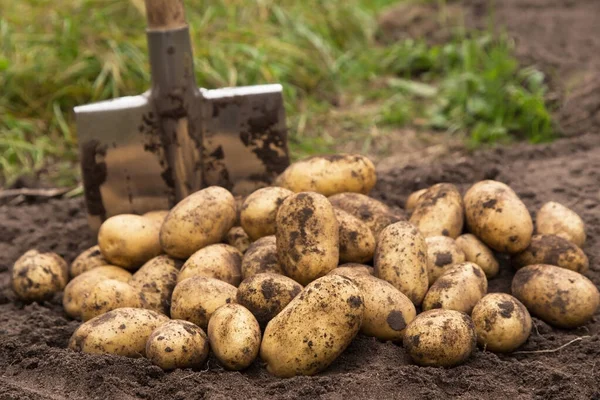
[307,237]
[157,216]
[357,243]
[502,322]
[259,210]
[155,282]
[413,199]
[122,332]
[442,254]
[477,252]
[497,216]
[556,219]
[89,259]
[108,295]
[439,211]
[234,336]
[201,219]
[351,269]
[177,344]
[401,259]
[38,276]
[238,238]
[553,250]
[440,338]
[219,261]
[559,296]
[314,328]
[260,257]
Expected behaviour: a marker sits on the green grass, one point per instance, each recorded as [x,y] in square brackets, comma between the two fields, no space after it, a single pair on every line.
[325,54]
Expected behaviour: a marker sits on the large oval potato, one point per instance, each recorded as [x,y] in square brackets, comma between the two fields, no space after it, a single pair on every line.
[442,253]
[559,296]
[108,295]
[314,328]
[439,211]
[351,269]
[219,261]
[261,257]
[89,259]
[477,252]
[238,238]
[38,276]
[259,210]
[553,250]
[556,219]
[329,175]
[497,216]
[201,219]
[177,344]
[413,199]
[307,237]
[357,244]
[401,259]
[155,282]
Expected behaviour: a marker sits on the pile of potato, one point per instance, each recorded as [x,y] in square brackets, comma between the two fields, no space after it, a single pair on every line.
[292,273]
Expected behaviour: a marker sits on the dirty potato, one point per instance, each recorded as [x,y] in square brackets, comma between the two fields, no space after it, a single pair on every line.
[357,244]
[260,257]
[38,276]
[108,295]
[237,238]
[439,211]
[259,210]
[477,252]
[556,219]
[442,253]
[91,258]
[351,269]
[413,199]
[155,282]
[553,250]
[177,344]
[219,261]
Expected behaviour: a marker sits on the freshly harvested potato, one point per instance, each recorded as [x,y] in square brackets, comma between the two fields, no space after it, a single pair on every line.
[196,299]
[477,252]
[89,259]
[234,336]
[439,211]
[314,328]
[559,296]
[329,175]
[260,257]
[502,323]
[459,288]
[357,243]
[413,200]
[442,254]
[129,240]
[497,216]
[38,276]
[123,332]
[219,261]
[553,250]
[155,282]
[201,219]
[259,210]
[266,294]
[307,237]
[556,219]
[351,269]
[440,338]
[157,216]
[401,259]
[238,238]
[108,295]
[177,344]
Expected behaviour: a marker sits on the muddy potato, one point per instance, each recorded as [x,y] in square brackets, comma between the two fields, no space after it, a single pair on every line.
[123,332]
[201,219]
[260,257]
[266,294]
[177,344]
[502,323]
[89,259]
[307,237]
[553,250]
[234,336]
[401,259]
[314,328]
[357,243]
[413,199]
[477,252]
[38,276]
[439,211]
[259,210]
[459,288]
[155,282]
[108,295]
[157,216]
[440,338]
[558,296]
[351,269]
[442,253]
[497,216]
[219,261]
[196,299]
[237,238]
[555,219]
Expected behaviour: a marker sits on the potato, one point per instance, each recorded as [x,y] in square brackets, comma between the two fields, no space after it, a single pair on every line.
[440,338]
[307,237]
[559,296]
[497,216]
[439,211]
[477,252]
[556,219]
[201,219]
[459,288]
[260,257]
[122,332]
[370,211]
[502,322]
[442,253]
[553,250]
[89,259]
[413,200]
[266,294]
[234,336]
[38,276]
[108,295]
[219,261]
[401,259]
[357,243]
[196,298]
[237,238]
[155,282]
[177,344]
[351,269]
[314,328]
[329,175]
[157,216]
[259,210]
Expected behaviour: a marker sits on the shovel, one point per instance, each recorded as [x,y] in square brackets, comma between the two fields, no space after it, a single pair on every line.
[147,152]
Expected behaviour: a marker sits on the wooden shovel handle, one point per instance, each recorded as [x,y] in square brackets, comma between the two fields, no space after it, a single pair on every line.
[165,14]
